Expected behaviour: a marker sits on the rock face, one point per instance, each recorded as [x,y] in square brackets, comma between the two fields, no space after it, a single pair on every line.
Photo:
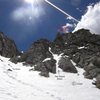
[81,46]
[92,68]
[46,67]
[57,45]
[66,65]
[37,52]
[7,47]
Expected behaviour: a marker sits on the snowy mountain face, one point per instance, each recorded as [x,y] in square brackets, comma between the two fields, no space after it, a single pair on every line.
[18,82]
[66,69]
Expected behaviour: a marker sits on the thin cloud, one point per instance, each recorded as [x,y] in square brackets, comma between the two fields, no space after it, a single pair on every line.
[69,25]
[91,19]
[65,28]
[27,13]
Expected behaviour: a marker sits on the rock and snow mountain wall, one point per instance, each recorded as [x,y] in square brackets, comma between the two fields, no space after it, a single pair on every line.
[81,46]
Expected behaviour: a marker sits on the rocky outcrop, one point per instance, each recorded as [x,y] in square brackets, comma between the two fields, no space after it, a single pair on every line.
[66,65]
[69,43]
[36,53]
[46,67]
[7,46]
[57,45]
[92,68]
[81,46]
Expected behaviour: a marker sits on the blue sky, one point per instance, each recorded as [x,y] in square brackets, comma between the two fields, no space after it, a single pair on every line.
[43,24]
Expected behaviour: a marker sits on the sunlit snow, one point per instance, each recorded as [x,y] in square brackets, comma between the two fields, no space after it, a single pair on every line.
[18,83]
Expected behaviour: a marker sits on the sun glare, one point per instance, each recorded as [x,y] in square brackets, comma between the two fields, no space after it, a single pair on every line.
[33,1]
[29,1]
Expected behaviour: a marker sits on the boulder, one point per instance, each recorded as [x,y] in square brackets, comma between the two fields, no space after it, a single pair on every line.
[46,67]
[50,65]
[66,65]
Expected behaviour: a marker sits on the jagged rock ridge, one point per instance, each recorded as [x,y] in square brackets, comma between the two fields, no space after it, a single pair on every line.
[81,46]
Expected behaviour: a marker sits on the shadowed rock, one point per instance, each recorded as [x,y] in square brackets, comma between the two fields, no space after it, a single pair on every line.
[92,68]
[46,67]
[66,65]
[36,53]
[7,47]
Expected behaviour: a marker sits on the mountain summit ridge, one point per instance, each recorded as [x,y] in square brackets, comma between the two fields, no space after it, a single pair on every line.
[82,47]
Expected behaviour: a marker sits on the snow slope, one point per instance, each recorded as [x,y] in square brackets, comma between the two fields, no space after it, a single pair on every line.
[18,83]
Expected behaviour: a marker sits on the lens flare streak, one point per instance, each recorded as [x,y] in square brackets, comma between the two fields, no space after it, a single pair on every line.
[61,10]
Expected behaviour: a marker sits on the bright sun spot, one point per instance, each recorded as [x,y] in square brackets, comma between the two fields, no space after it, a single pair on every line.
[29,12]
[29,1]
[33,1]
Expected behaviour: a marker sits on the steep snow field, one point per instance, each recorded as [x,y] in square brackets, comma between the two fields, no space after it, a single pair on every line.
[18,83]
